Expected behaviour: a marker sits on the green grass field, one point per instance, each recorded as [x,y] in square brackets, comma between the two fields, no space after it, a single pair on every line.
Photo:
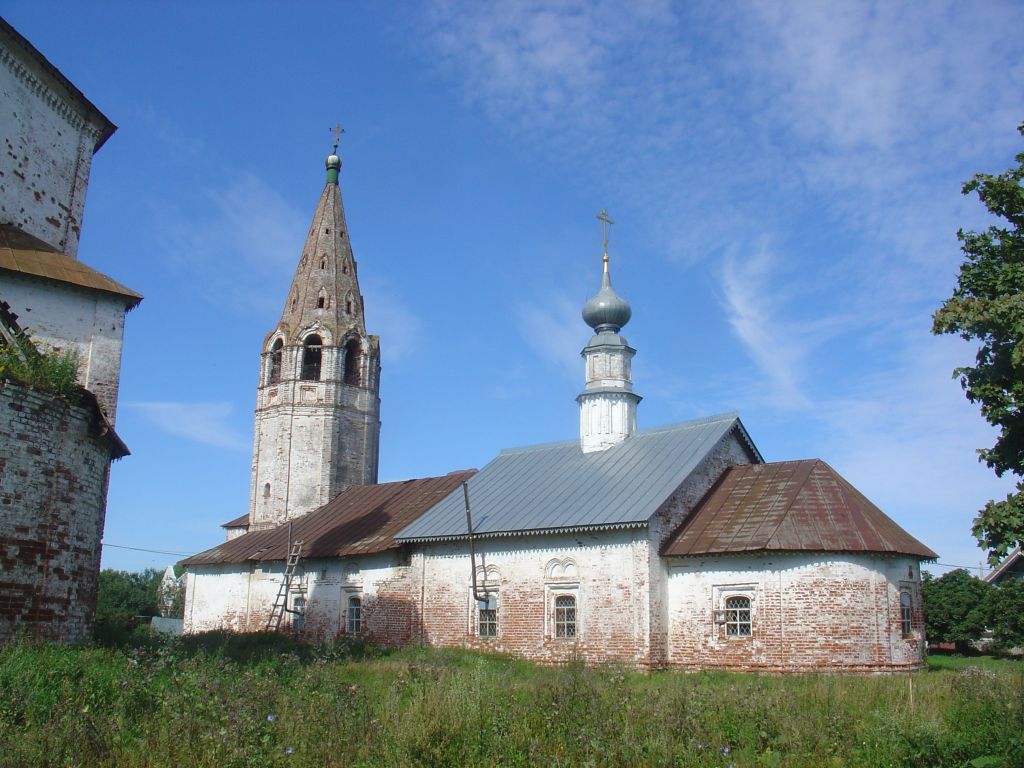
[264,701]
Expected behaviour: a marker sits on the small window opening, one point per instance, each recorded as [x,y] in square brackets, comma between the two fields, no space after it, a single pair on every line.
[320,302]
[737,617]
[487,617]
[354,624]
[274,374]
[906,614]
[311,354]
[565,616]
[327,231]
[266,491]
[323,263]
[344,269]
[348,307]
[353,359]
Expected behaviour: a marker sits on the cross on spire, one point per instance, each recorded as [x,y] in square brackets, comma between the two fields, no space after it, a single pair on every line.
[603,217]
[337,130]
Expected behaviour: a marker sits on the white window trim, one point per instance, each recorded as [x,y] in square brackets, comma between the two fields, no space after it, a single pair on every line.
[721,593]
[347,593]
[552,591]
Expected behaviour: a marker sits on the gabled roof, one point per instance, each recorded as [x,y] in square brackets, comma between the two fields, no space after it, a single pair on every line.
[21,252]
[360,520]
[557,487]
[789,506]
[1012,566]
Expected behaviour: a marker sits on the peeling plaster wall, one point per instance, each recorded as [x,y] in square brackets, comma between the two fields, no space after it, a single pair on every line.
[53,489]
[58,314]
[809,611]
[731,450]
[48,138]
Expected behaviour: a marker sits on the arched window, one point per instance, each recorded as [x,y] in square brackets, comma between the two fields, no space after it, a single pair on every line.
[266,490]
[323,263]
[354,618]
[737,617]
[274,374]
[320,302]
[906,613]
[311,358]
[565,616]
[353,362]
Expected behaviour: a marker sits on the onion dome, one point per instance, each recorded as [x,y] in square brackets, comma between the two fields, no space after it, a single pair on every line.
[606,311]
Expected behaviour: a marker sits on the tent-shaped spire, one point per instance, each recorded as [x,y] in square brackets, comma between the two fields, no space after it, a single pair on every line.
[325,289]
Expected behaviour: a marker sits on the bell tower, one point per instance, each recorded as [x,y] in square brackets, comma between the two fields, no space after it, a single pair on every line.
[318,400]
[607,402]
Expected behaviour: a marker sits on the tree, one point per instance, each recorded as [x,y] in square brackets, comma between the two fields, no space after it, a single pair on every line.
[952,608]
[1004,613]
[988,306]
[123,597]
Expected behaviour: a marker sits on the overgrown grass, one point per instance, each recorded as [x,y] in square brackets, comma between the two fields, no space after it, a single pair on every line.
[260,700]
[48,370]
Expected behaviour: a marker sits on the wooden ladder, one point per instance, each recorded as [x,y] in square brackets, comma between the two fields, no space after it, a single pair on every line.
[281,601]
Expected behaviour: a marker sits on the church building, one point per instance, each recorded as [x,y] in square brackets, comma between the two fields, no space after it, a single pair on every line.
[675,546]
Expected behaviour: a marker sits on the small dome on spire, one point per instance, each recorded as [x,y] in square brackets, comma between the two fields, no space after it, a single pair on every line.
[333,164]
[606,312]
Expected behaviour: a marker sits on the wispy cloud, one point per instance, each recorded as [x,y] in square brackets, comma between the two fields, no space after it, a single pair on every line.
[235,240]
[206,423]
[389,318]
[552,328]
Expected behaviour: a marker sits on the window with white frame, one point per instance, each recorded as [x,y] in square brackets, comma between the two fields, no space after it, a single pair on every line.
[737,616]
[354,615]
[906,613]
[565,616]
[487,616]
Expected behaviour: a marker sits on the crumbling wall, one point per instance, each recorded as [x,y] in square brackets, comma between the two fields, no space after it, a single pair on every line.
[838,611]
[54,469]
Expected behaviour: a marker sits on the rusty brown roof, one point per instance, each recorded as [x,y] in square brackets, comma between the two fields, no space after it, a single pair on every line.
[242,521]
[789,506]
[28,255]
[360,520]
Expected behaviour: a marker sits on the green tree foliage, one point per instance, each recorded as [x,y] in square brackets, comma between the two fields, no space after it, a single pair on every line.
[988,306]
[122,598]
[1003,610]
[953,608]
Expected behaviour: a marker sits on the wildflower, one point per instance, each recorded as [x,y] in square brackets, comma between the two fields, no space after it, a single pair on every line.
[725,751]
[700,747]
[288,750]
[271,717]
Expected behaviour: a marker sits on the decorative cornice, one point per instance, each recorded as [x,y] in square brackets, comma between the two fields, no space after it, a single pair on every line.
[59,104]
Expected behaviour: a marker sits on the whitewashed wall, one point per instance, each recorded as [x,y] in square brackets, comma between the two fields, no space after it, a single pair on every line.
[813,610]
[58,314]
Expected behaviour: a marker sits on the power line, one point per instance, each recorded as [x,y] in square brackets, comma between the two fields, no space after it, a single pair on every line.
[141,549]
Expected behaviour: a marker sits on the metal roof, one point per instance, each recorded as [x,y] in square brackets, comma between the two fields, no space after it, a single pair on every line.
[789,506]
[1011,567]
[21,252]
[558,487]
[360,520]
[242,521]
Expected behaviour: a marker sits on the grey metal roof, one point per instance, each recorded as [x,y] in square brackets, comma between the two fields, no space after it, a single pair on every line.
[558,487]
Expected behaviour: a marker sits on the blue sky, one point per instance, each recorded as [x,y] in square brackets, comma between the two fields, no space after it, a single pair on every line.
[785,181]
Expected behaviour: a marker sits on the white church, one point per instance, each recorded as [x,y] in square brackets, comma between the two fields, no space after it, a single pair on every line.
[676,546]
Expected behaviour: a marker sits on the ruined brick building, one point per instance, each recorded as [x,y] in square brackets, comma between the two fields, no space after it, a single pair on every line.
[55,454]
[675,546]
